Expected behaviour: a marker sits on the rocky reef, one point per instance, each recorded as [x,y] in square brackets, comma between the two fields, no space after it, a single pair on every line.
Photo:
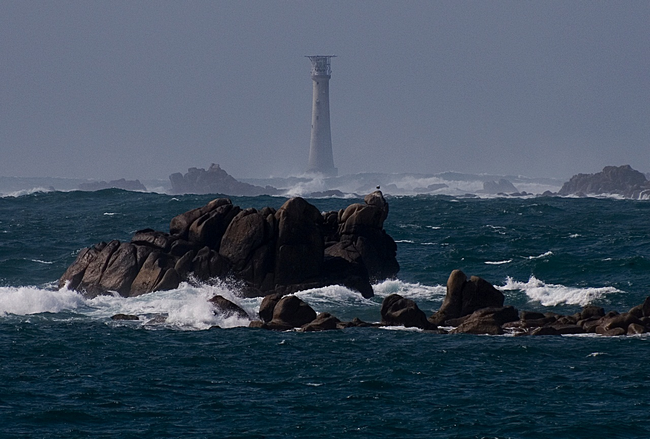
[265,251]
[215,181]
[127,185]
[471,306]
[615,180]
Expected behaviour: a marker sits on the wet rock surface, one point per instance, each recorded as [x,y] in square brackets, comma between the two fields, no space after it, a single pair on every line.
[293,248]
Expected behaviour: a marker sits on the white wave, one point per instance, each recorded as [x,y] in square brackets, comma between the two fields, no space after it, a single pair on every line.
[42,262]
[333,296]
[401,328]
[498,262]
[23,192]
[409,290]
[405,241]
[553,295]
[186,307]
[543,255]
[33,300]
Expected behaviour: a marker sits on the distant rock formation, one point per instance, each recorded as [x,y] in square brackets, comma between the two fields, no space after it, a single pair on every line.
[502,186]
[127,185]
[616,180]
[215,181]
[266,251]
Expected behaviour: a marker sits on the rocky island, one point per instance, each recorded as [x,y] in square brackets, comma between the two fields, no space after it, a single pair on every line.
[215,181]
[265,251]
[614,180]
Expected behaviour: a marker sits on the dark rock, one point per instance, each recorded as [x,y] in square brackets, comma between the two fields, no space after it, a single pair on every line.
[466,296]
[291,312]
[124,317]
[567,328]
[324,322]
[399,311]
[636,328]
[153,238]
[180,224]
[545,330]
[268,305]
[614,332]
[150,274]
[215,181]
[90,283]
[209,228]
[169,280]
[349,274]
[620,180]
[121,270]
[619,321]
[487,321]
[591,311]
[300,245]
[355,323]
[184,264]
[226,307]
[531,315]
[245,233]
[502,186]
[360,238]
[478,326]
[76,271]
[127,185]
[261,251]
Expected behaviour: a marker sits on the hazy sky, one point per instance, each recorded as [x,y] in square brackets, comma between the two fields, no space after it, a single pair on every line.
[142,89]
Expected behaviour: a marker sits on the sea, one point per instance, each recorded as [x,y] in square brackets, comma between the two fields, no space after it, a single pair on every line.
[67,370]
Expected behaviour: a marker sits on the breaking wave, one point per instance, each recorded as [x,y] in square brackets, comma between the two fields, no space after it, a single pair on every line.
[553,295]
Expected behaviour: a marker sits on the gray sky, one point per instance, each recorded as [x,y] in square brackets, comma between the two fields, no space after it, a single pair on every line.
[110,89]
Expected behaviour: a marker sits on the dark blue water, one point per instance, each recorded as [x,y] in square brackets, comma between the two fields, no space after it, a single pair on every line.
[67,370]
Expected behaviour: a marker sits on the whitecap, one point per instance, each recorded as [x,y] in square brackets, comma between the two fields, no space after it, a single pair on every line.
[409,290]
[401,328]
[543,255]
[333,296]
[42,262]
[33,300]
[185,307]
[498,262]
[553,295]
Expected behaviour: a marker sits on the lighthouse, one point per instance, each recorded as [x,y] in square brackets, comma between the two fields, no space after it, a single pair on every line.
[321,159]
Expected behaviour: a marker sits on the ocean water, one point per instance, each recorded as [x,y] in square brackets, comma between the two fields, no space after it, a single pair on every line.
[68,370]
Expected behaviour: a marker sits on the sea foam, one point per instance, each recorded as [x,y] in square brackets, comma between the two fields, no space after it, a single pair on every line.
[553,295]
[33,300]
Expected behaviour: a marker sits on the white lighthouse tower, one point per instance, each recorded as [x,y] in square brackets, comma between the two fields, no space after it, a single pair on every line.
[321,159]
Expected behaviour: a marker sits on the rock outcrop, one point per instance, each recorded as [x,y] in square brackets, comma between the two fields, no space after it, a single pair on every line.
[398,311]
[502,186]
[266,251]
[465,297]
[215,181]
[616,180]
[127,185]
